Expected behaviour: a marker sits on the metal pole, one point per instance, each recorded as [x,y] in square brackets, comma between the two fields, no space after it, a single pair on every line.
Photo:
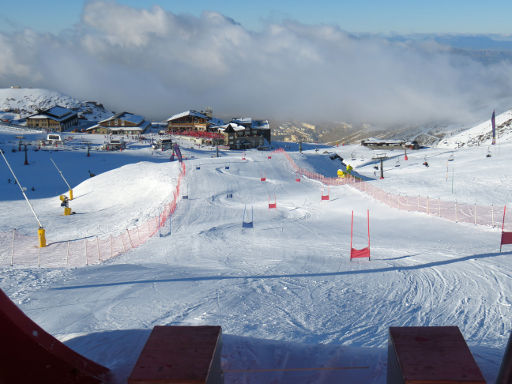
[453,175]
[21,189]
[61,175]
[368,217]
[351,233]
[129,238]
[98,245]
[503,226]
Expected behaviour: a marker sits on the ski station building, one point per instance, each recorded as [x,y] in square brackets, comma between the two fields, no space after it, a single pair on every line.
[56,118]
[240,133]
[124,123]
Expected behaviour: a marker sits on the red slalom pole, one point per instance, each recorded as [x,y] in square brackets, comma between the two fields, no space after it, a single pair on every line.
[368,216]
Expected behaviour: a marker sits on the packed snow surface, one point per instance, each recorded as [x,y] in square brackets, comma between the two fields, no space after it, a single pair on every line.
[285,292]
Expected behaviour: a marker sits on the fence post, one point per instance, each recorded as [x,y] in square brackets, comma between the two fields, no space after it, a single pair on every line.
[129,238]
[12,253]
[98,245]
[122,242]
[67,256]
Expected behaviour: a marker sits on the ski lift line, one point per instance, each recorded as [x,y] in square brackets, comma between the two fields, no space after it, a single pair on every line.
[61,174]
[21,189]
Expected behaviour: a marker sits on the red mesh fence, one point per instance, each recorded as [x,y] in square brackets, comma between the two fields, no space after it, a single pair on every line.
[458,212]
[23,251]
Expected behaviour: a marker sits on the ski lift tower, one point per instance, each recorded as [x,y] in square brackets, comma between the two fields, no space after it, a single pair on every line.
[20,138]
[381,157]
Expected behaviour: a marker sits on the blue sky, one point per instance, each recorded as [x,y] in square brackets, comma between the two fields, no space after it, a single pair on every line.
[373,16]
[384,62]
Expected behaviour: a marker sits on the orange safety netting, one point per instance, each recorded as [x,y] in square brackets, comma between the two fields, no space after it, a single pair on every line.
[454,211]
[21,250]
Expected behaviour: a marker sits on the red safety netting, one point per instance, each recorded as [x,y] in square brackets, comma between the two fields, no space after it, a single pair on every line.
[201,134]
[458,212]
[21,250]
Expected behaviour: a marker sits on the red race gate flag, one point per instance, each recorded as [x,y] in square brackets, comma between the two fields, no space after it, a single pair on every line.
[506,237]
[359,253]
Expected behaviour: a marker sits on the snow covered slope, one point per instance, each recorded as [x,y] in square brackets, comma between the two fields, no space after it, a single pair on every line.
[285,292]
[26,101]
[481,134]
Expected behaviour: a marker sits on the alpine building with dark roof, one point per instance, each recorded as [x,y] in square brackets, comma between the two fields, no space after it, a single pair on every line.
[56,118]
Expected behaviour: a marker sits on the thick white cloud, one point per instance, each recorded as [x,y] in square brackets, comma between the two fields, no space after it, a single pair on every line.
[158,63]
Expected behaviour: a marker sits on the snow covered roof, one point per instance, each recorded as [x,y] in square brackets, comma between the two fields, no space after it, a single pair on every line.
[254,124]
[188,113]
[56,113]
[234,126]
[373,140]
[136,119]
[59,111]
[242,120]
[215,121]
[260,124]
[127,116]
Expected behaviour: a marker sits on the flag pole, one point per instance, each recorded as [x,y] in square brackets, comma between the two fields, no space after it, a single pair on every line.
[493,123]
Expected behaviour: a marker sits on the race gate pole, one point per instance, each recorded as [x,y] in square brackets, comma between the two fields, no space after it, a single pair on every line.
[368,216]
[351,234]
[503,226]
